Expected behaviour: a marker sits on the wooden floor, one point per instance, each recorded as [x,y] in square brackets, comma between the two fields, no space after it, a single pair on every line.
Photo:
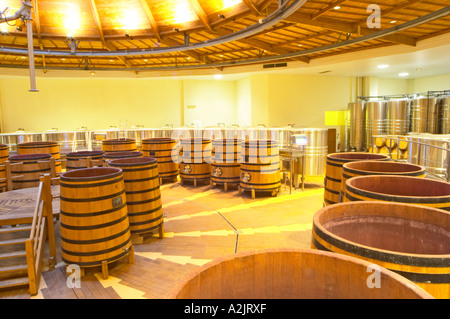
[200,223]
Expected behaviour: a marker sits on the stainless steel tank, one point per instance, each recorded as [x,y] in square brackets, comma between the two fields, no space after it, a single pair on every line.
[355,126]
[398,116]
[141,133]
[12,139]
[435,155]
[424,115]
[445,115]
[69,141]
[315,153]
[262,133]
[98,136]
[433,115]
[375,120]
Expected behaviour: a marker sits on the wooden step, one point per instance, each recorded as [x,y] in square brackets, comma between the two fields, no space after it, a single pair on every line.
[9,230]
[14,282]
[13,241]
[14,254]
[13,269]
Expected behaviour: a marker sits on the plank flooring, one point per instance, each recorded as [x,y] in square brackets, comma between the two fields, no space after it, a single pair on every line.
[200,224]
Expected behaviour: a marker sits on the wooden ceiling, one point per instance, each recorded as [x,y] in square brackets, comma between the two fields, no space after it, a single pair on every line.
[118,25]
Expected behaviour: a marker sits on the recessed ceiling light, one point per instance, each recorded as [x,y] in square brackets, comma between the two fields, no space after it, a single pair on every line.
[419,69]
[218,76]
[383,66]
[394,21]
[337,7]
[92,73]
[403,74]
[300,45]
[111,60]
[145,60]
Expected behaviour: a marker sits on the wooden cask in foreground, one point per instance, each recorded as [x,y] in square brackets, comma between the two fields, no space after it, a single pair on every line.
[48,147]
[411,240]
[292,274]
[119,145]
[143,193]
[333,175]
[195,160]
[364,168]
[77,160]
[28,169]
[226,167]
[166,153]
[260,167]
[117,155]
[94,222]
[403,189]
[4,154]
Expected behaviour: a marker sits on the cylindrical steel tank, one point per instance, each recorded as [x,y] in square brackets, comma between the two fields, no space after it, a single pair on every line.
[435,155]
[424,115]
[68,141]
[433,115]
[375,120]
[445,115]
[12,139]
[355,126]
[316,151]
[398,113]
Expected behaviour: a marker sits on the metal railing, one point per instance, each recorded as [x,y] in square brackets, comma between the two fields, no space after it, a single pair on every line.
[422,153]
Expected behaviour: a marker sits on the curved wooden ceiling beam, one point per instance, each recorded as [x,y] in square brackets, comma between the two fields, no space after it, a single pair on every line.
[278,15]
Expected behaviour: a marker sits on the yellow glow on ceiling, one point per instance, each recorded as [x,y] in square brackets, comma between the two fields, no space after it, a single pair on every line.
[183,12]
[130,20]
[72,19]
[229,3]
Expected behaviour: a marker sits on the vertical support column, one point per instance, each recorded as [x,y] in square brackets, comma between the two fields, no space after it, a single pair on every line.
[31,57]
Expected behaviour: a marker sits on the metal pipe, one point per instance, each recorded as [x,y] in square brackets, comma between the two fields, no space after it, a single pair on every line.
[243,33]
[31,57]
[283,12]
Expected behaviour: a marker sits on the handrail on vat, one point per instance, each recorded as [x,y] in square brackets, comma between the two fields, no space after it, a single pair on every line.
[420,144]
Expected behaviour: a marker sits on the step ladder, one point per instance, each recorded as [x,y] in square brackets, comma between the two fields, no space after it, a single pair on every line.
[23,241]
[13,262]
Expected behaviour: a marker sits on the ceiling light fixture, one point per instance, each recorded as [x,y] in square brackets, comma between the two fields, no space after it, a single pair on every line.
[403,74]
[230,3]
[382,66]
[393,21]
[72,19]
[218,76]
[337,7]
[130,20]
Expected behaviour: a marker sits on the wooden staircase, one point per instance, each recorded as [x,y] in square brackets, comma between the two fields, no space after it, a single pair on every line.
[22,244]
[13,262]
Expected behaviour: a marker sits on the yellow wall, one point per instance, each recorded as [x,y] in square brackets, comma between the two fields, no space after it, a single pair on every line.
[243,102]
[207,103]
[432,83]
[271,99]
[69,103]
[303,100]
[393,86]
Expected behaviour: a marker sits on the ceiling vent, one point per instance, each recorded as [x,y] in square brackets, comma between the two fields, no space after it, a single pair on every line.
[275,65]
